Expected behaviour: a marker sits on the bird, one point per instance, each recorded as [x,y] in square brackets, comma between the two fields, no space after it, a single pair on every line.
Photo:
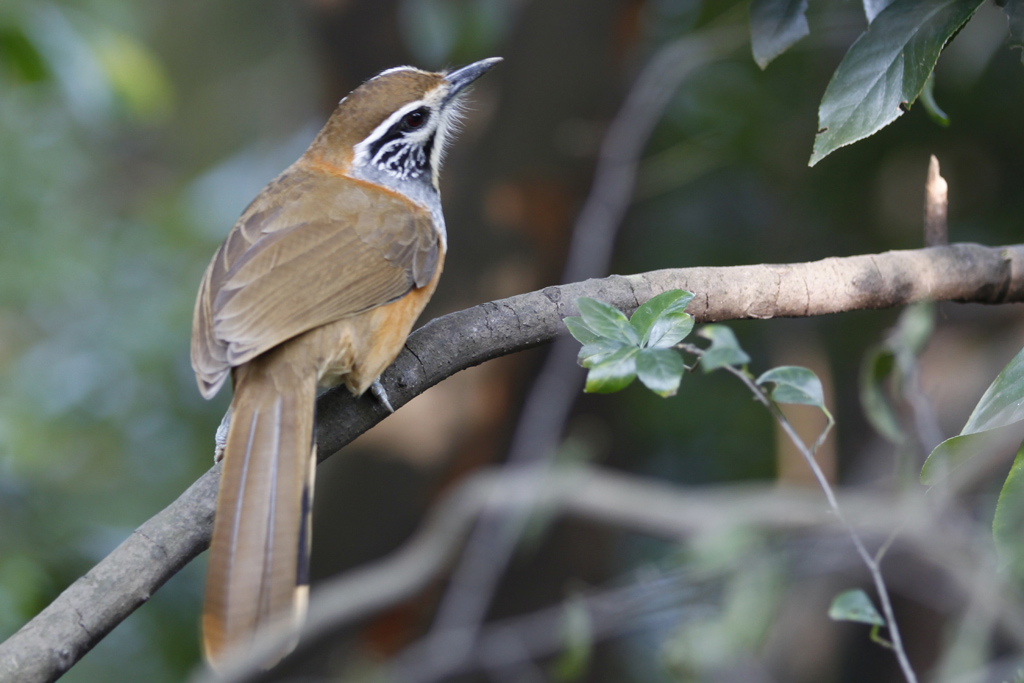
[317,284]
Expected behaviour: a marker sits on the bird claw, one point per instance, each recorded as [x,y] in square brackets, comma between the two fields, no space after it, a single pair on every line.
[377,389]
[220,438]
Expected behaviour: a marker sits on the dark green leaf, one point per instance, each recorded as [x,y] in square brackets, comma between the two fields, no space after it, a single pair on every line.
[579,330]
[885,70]
[660,370]
[614,373]
[1008,525]
[644,317]
[794,385]
[877,368]
[774,26]
[591,354]
[606,320]
[20,57]
[724,349]
[855,605]
[669,329]
[1015,15]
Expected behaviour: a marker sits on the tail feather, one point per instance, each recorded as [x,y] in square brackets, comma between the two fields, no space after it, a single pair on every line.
[258,570]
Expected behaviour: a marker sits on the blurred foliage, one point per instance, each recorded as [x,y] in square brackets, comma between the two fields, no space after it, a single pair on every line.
[100,250]
[133,134]
[751,596]
[440,33]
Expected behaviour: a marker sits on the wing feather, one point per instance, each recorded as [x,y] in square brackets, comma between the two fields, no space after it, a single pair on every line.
[302,255]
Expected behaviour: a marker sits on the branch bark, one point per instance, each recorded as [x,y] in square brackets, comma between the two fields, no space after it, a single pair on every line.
[90,608]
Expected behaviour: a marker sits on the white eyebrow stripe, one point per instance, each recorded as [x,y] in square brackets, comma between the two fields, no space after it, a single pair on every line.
[361,149]
[396,69]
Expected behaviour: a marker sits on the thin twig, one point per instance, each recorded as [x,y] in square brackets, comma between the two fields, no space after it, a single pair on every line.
[869,561]
[936,206]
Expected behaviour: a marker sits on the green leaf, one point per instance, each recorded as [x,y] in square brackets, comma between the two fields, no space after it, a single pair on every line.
[606,320]
[578,636]
[724,349]
[1009,519]
[855,605]
[930,105]
[774,26]
[135,75]
[592,354]
[20,57]
[645,316]
[661,370]
[885,70]
[669,329]
[794,384]
[595,347]
[895,360]
[873,7]
[913,329]
[614,373]
[950,454]
[1003,402]
[877,367]
[579,330]
[1015,16]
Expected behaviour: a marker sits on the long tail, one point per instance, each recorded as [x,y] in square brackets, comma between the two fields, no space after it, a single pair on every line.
[259,558]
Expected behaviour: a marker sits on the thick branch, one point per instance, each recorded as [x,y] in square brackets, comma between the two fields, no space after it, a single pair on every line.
[442,347]
[83,614]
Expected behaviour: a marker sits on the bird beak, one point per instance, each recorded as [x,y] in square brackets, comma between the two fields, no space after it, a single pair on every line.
[460,78]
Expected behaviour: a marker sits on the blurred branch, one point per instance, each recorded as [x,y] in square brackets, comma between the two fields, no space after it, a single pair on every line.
[553,392]
[62,633]
[872,563]
[504,645]
[642,505]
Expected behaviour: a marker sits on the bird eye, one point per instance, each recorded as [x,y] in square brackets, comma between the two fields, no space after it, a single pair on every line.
[414,119]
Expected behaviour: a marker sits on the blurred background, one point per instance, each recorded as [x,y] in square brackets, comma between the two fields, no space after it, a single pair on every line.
[133,134]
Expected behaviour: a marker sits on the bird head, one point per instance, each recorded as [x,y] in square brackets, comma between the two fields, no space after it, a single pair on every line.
[392,130]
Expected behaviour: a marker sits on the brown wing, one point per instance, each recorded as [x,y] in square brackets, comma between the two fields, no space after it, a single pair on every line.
[308,251]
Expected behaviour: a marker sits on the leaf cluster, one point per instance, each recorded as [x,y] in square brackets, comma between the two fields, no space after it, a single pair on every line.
[616,349]
[886,70]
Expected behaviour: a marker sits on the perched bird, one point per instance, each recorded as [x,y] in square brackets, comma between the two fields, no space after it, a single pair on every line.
[317,284]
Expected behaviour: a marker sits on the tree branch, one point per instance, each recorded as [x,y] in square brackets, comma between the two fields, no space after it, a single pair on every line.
[83,614]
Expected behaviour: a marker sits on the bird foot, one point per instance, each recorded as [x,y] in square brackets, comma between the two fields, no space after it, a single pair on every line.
[377,389]
[220,438]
